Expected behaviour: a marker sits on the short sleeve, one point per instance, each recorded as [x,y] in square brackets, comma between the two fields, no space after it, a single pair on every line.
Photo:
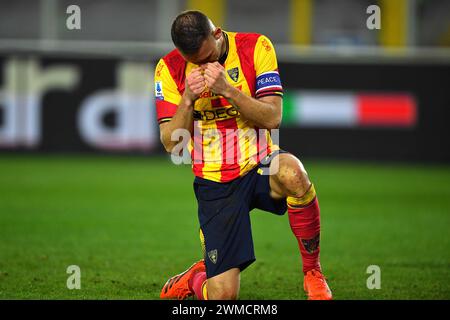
[166,93]
[268,80]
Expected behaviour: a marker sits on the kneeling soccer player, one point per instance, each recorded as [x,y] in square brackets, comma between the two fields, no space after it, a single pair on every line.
[214,84]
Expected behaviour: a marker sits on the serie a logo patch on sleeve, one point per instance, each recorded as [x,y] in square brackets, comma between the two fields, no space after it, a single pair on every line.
[159,90]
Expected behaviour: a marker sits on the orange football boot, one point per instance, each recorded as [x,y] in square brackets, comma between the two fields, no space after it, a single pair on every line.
[177,287]
[316,286]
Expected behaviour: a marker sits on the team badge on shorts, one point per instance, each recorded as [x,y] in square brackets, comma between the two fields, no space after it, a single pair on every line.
[234,74]
[213,256]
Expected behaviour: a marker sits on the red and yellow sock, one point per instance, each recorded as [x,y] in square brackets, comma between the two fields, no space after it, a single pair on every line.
[304,219]
[198,284]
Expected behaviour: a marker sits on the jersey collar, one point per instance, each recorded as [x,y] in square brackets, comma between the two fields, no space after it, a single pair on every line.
[223,58]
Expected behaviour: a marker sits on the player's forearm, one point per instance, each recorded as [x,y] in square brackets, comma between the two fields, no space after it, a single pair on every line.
[264,115]
[183,119]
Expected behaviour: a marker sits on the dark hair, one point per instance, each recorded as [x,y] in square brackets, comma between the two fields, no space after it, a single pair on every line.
[189,30]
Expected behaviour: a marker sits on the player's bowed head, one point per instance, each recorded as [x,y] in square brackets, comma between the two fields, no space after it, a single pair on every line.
[196,37]
[203,44]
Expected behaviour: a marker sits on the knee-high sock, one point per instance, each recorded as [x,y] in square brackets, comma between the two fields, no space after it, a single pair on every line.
[304,218]
[198,284]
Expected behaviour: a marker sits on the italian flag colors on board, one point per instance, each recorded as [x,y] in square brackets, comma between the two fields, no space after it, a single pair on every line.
[348,109]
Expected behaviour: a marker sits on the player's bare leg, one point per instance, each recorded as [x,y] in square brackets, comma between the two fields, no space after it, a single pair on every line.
[224,286]
[291,181]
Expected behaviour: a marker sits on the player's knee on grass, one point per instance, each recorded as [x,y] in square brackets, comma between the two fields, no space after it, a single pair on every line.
[292,176]
[224,286]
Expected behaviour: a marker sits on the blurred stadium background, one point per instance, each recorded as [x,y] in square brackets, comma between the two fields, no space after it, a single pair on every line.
[84,179]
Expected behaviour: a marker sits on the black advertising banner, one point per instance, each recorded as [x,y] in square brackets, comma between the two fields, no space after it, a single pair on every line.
[370,111]
[374,111]
[62,105]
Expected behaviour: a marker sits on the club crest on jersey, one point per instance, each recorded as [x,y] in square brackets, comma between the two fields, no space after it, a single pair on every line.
[212,255]
[234,74]
[158,90]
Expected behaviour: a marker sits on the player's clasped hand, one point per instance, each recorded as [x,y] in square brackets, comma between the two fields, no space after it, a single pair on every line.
[215,77]
[195,84]
[209,75]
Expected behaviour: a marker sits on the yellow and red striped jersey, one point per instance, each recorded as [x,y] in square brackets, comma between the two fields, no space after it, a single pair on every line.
[225,145]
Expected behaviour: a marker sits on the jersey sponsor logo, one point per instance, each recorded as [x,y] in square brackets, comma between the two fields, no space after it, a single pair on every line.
[212,255]
[159,90]
[210,94]
[219,113]
[207,94]
[234,73]
[268,80]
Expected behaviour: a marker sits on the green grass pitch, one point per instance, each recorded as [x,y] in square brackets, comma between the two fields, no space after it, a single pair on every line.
[130,223]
